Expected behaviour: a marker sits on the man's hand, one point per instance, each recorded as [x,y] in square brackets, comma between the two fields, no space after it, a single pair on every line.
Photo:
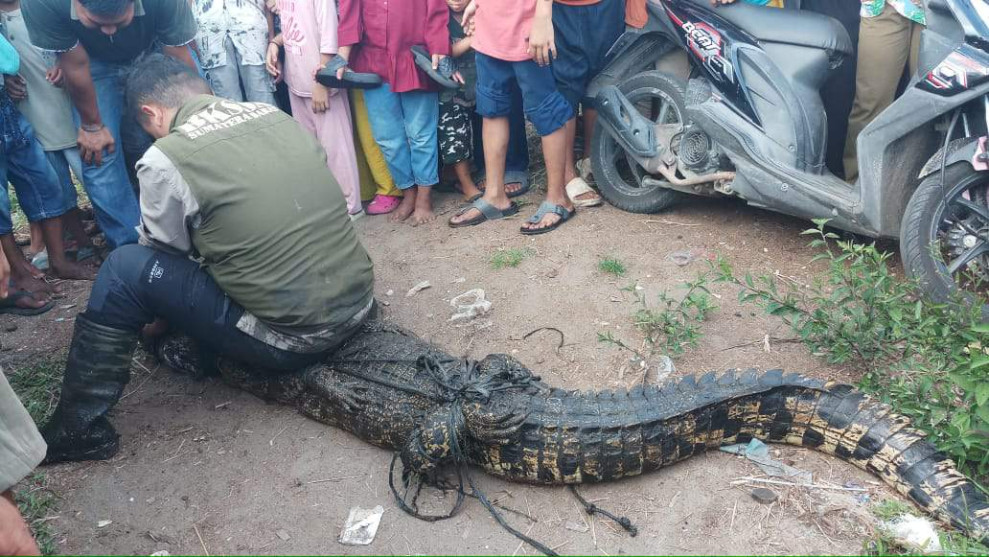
[16,87]
[55,76]
[272,6]
[542,41]
[15,536]
[92,145]
[320,98]
[272,63]
[468,20]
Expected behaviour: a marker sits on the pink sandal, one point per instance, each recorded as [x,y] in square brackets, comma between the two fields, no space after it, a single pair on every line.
[383,204]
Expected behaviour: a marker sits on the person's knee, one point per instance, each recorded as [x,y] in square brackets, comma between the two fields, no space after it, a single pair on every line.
[550,114]
[126,262]
[116,286]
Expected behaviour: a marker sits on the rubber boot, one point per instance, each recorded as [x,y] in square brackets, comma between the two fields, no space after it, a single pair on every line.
[96,372]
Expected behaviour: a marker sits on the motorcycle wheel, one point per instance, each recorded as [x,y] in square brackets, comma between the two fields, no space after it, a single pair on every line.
[659,97]
[944,238]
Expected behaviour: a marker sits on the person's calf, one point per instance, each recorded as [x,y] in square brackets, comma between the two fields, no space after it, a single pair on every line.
[467,185]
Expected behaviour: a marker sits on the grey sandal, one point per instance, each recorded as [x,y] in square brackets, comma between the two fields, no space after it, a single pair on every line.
[488,212]
[327,76]
[547,208]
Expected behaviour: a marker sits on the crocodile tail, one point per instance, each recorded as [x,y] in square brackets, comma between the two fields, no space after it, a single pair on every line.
[837,419]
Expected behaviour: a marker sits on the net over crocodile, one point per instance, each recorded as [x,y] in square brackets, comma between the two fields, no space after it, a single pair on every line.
[391,389]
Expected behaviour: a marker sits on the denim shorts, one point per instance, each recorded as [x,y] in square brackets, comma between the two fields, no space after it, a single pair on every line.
[38,190]
[544,106]
[584,34]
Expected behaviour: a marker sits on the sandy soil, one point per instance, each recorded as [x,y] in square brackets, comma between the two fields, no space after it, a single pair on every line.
[207,468]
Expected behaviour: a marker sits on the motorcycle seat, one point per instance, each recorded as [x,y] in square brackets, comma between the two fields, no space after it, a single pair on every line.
[795,27]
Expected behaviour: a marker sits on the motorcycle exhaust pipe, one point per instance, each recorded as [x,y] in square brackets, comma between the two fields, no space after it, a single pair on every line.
[620,118]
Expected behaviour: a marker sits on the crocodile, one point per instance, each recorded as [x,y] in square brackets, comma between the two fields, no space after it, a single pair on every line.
[392,389]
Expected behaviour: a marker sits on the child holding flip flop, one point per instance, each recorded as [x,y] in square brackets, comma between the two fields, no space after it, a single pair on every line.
[513,40]
[309,35]
[377,36]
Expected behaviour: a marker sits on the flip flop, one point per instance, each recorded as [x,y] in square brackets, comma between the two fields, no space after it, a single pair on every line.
[488,212]
[520,177]
[327,76]
[544,209]
[578,187]
[8,305]
[443,74]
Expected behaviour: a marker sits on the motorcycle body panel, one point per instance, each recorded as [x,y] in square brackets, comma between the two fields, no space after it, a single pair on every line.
[755,92]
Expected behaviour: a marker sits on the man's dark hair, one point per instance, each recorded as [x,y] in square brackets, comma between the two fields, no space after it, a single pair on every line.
[106,8]
[163,80]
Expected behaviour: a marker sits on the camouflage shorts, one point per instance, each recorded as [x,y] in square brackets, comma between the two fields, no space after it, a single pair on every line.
[456,138]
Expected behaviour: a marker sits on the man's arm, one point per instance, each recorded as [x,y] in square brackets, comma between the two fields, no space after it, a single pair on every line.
[93,137]
[181,53]
[167,204]
[21,450]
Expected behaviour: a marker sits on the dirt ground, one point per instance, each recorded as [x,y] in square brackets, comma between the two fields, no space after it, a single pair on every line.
[204,467]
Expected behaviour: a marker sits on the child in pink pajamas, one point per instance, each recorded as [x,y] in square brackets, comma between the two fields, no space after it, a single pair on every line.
[309,36]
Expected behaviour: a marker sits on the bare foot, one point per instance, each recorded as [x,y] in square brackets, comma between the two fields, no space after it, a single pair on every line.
[511,188]
[406,207]
[30,301]
[73,271]
[38,288]
[424,206]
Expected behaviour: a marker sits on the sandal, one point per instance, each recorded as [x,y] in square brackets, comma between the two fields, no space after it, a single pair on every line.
[443,74]
[578,187]
[327,77]
[547,208]
[383,204]
[487,210]
[8,305]
[520,177]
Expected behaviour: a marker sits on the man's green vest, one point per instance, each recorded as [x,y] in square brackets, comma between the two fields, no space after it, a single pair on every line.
[274,231]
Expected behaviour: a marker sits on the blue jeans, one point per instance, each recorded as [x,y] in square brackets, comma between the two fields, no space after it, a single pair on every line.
[26,167]
[108,186]
[238,82]
[543,104]
[66,162]
[136,284]
[404,125]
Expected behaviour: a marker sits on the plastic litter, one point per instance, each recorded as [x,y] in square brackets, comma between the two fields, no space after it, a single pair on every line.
[418,288]
[758,452]
[361,526]
[470,304]
[682,258]
[914,532]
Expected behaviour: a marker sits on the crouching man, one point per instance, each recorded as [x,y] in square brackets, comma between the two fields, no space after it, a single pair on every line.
[279,278]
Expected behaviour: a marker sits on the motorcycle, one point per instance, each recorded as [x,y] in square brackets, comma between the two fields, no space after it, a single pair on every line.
[725,101]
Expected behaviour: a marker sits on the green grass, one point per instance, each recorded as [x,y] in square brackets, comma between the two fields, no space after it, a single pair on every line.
[38,385]
[890,509]
[38,505]
[612,266]
[510,257]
